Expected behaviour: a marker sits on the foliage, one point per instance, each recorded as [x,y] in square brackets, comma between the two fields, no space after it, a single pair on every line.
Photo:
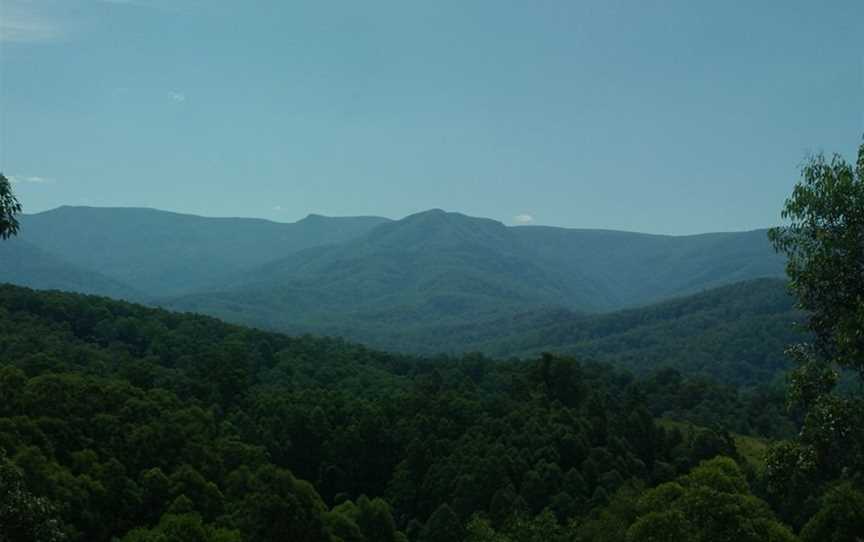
[9,207]
[840,516]
[824,241]
[186,527]
[139,422]
[735,334]
[24,516]
[711,503]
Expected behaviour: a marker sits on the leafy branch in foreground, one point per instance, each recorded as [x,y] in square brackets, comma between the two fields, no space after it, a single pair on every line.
[824,242]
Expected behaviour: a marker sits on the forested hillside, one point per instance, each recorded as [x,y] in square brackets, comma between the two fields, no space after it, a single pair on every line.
[162,253]
[639,268]
[404,281]
[735,333]
[390,284]
[123,421]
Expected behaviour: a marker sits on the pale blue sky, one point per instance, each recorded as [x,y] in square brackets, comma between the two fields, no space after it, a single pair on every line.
[657,116]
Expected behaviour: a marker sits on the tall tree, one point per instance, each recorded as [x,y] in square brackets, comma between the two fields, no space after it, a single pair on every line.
[824,242]
[9,207]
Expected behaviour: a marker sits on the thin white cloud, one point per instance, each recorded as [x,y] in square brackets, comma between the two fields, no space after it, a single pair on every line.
[18,26]
[177,97]
[171,6]
[32,179]
[523,218]
[277,208]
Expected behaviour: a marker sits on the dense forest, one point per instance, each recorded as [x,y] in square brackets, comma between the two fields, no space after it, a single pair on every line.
[123,422]
[736,334]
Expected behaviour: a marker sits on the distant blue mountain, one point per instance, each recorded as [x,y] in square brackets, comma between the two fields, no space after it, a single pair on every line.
[162,253]
[403,279]
[395,284]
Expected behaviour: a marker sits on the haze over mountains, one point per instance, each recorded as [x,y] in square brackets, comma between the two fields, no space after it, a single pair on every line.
[25,264]
[390,283]
[163,253]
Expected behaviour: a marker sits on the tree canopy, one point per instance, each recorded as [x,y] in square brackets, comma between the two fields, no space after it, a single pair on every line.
[824,241]
[9,207]
[141,423]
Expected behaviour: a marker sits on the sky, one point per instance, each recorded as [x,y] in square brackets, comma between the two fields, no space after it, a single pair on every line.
[668,116]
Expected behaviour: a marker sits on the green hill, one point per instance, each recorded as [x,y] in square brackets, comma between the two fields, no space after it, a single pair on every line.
[736,333]
[428,268]
[433,281]
[399,284]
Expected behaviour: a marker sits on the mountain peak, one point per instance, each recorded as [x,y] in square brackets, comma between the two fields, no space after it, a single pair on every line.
[441,216]
[431,214]
[438,228]
[313,217]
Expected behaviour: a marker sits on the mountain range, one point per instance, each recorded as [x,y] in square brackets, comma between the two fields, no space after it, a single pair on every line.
[431,282]
[159,253]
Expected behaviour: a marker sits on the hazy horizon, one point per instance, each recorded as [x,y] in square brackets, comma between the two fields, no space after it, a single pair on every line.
[670,119]
[390,218]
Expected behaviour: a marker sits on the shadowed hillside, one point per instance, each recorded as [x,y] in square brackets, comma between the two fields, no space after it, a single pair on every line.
[27,265]
[402,283]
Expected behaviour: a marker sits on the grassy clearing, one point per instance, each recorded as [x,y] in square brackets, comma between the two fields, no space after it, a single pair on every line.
[752,449]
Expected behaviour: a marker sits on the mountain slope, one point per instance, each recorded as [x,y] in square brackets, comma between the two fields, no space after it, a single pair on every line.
[163,253]
[132,423]
[23,264]
[641,268]
[428,268]
[735,333]
[396,286]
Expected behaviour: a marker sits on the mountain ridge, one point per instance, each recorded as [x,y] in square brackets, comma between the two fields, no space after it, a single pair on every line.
[388,281]
[166,253]
[434,270]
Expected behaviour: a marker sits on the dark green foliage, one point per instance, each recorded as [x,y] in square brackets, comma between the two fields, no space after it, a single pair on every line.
[270,504]
[702,401]
[840,516]
[711,503]
[736,334]
[143,422]
[443,525]
[9,208]
[24,516]
[185,527]
[372,517]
